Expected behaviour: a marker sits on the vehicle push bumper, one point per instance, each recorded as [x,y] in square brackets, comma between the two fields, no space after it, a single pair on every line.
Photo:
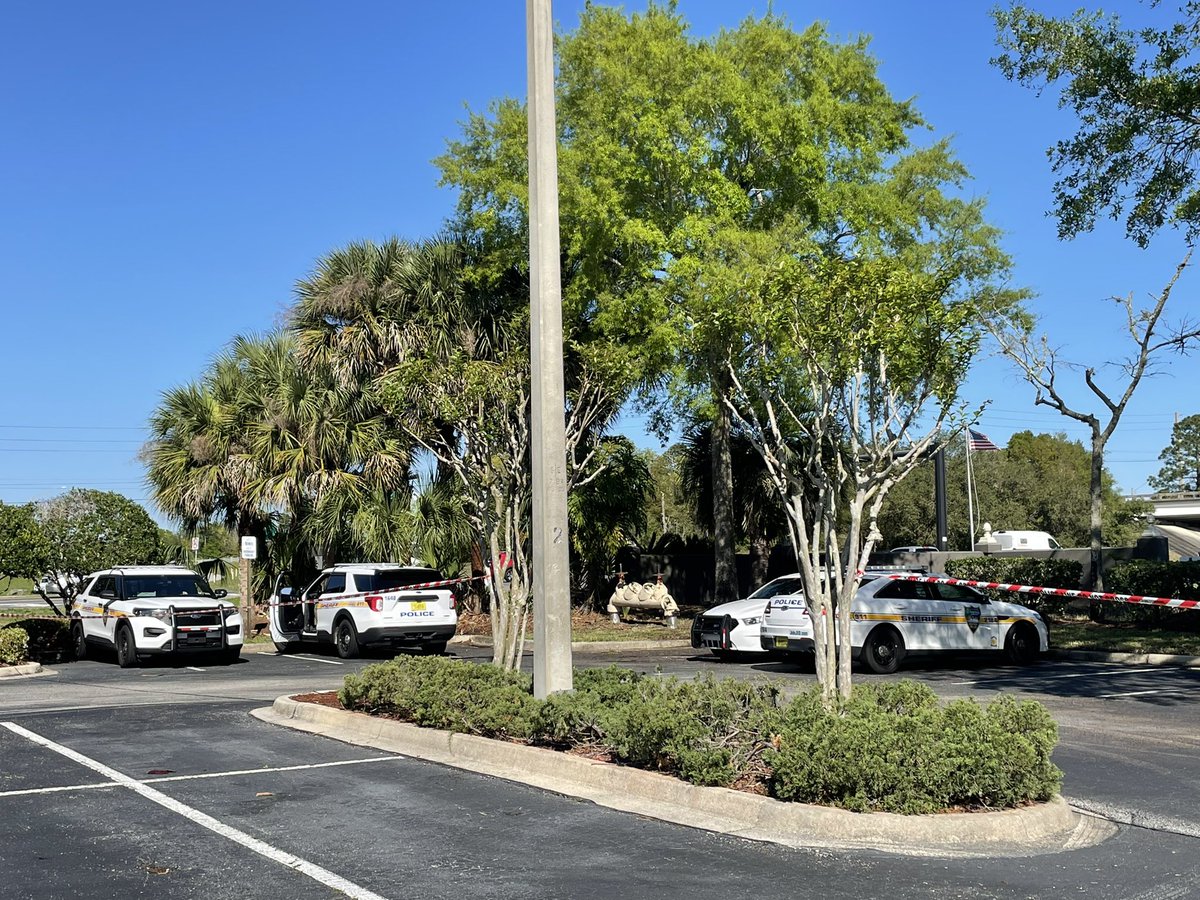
[188,631]
[712,632]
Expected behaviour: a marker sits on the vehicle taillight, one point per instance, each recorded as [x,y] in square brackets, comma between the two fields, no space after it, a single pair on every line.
[453,600]
[375,602]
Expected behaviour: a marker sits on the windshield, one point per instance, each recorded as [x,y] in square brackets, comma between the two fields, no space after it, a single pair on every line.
[779,586]
[136,586]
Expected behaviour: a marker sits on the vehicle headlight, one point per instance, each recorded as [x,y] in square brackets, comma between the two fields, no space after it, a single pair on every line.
[753,620]
[163,615]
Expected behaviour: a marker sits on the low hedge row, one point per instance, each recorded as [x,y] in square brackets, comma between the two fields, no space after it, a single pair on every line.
[891,747]
[1055,573]
[1151,579]
[14,646]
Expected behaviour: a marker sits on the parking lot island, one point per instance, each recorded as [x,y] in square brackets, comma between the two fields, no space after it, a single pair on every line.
[1031,830]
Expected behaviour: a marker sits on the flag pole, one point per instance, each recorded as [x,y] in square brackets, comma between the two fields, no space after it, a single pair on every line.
[970,502]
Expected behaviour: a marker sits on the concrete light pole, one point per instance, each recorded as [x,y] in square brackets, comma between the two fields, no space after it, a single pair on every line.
[551,573]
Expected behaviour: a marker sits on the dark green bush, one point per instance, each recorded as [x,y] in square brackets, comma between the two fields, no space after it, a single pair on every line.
[1151,579]
[587,716]
[889,747]
[705,731]
[894,748]
[49,639]
[14,645]
[440,692]
[1055,573]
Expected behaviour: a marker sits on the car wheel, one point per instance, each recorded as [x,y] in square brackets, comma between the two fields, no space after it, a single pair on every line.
[1022,645]
[345,637]
[284,646]
[229,656]
[78,641]
[126,649]
[883,650]
[435,648]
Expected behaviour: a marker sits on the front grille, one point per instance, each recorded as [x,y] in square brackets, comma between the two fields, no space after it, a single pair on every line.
[193,619]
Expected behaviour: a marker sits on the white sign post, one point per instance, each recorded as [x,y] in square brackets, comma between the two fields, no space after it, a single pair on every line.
[249,554]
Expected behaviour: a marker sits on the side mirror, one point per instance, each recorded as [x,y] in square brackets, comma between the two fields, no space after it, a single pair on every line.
[220,592]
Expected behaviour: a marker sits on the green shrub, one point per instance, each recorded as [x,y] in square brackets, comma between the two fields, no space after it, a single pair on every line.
[705,731]
[440,692]
[1055,573]
[587,716]
[889,747]
[14,645]
[1151,579]
[894,748]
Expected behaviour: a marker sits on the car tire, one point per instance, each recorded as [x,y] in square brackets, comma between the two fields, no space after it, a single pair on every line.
[1022,646]
[127,657]
[435,648]
[284,646]
[345,639]
[78,641]
[883,650]
[229,656]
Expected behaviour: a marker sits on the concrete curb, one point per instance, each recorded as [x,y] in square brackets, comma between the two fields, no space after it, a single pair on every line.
[1046,828]
[22,669]
[1135,659]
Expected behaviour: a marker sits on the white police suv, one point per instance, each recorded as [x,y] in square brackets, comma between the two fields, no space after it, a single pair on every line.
[147,610]
[361,604]
[892,617]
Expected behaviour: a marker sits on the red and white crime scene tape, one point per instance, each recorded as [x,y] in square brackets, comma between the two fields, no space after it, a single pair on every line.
[425,585]
[1172,602]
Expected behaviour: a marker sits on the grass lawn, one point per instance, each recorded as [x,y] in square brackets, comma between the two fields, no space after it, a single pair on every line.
[15,586]
[1079,633]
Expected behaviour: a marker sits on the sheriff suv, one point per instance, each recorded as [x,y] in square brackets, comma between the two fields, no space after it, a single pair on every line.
[892,617]
[361,604]
[147,610]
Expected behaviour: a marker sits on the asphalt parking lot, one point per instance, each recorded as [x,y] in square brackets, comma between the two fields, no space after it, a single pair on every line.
[156,782]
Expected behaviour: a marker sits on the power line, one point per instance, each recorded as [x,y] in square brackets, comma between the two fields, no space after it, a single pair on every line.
[45,427]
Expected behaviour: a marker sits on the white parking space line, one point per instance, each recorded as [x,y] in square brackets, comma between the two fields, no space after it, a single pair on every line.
[328,662]
[1102,674]
[25,792]
[326,765]
[313,871]
[1140,693]
[195,668]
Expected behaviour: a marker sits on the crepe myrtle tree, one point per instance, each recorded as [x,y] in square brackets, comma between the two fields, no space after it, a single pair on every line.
[849,378]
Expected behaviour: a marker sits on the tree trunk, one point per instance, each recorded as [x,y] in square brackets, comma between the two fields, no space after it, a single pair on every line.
[725,582]
[760,556]
[1097,486]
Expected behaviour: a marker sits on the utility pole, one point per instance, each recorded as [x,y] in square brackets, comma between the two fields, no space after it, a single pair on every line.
[551,572]
[939,498]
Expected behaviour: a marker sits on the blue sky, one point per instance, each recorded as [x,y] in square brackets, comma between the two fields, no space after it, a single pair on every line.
[170,170]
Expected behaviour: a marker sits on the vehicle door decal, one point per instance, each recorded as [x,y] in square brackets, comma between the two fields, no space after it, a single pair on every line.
[972,614]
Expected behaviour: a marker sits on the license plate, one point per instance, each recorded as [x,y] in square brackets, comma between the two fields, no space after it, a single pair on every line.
[417,605]
[781,642]
[196,637]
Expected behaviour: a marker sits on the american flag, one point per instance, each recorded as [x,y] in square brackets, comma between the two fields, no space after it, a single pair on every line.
[980,441]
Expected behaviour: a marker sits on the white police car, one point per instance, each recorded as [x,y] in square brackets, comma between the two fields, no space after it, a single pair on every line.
[148,610]
[892,617]
[734,627]
[361,604]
